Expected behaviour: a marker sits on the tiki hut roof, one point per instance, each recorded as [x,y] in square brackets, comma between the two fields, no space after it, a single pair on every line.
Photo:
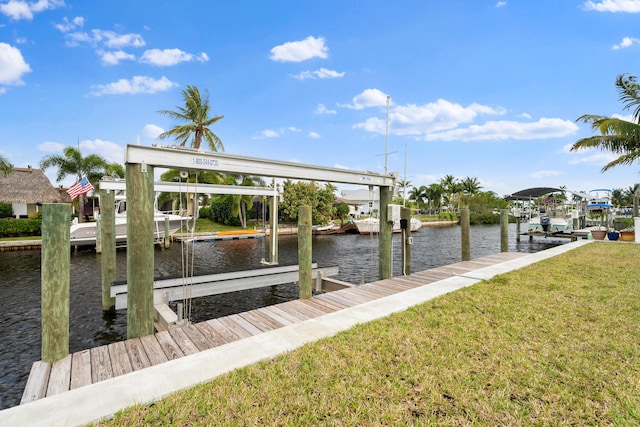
[28,185]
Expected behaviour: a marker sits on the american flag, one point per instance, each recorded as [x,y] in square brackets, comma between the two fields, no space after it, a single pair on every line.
[81,187]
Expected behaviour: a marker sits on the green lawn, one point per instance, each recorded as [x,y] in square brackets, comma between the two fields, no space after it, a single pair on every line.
[555,343]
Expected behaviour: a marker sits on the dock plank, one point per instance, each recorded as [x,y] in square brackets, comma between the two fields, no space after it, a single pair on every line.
[277,309]
[258,317]
[81,369]
[211,334]
[275,316]
[120,362]
[248,326]
[137,354]
[226,333]
[60,377]
[184,342]
[196,337]
[169,347]
[100,364]
[37,382]
[230,323]
[153,350]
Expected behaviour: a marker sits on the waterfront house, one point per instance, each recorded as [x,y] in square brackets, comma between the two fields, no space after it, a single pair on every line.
[26,189]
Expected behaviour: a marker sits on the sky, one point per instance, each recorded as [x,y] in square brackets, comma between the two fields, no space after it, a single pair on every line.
[483,89]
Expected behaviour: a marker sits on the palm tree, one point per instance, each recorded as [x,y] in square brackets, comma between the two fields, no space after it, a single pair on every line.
[196,114]
[241,204]
[618,136]
[470,185]
[418,194]
[5,166]
[451,187]
[72,163]
[403,184]
[434,194]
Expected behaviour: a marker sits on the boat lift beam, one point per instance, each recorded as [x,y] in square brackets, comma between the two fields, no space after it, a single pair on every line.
[187,158]
[191,187]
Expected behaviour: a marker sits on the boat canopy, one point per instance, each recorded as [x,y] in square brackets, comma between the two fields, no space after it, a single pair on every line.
[535,192]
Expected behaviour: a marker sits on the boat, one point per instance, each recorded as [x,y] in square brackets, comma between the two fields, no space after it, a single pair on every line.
[371,225]
[555,216]
[85,233]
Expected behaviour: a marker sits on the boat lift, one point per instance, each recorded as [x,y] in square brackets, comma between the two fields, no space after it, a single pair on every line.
[275,192]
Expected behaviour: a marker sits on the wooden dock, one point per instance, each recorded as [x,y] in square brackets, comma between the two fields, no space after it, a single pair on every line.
[119,358]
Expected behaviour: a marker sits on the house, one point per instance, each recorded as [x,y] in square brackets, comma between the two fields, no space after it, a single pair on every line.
[367,201]
[354,206]
[26,189]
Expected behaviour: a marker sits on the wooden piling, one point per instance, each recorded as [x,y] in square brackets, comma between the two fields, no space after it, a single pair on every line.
[167,237]
[405,215]
[385,236]
[140,231]
[108,260]
[273,218]
[465,228]
[504,230]
[304,251]
[98,236]
[56,263]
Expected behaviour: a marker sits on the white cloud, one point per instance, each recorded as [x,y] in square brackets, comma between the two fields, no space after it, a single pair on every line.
[626,42]
[500,130]
[627,6]
[501,4]
[322,73]
[314,135]
[525,115]
[110,151]
[152,131]
[138,84]
[596,158]
[368,98]
[19,9]
[114,58]
[268,133]
[425,119]
[169,57]
[12,65]
[109,39]
[299,51]
[545,174]
[50,147]
[293,129]
[67,25]
[321,109]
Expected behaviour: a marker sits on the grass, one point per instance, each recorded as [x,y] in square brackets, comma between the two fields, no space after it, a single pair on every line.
[555,343]
[13,239]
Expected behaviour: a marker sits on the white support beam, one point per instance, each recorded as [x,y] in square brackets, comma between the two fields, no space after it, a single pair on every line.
[191,187]
[187,158]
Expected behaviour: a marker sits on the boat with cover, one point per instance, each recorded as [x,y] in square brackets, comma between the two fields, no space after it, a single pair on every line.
[371,225]
[555,215]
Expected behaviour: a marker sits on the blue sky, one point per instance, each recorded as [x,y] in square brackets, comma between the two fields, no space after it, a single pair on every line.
[486,89]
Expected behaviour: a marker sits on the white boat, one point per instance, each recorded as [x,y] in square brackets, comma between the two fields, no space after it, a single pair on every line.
[371,225]
[555,216]
[85,233]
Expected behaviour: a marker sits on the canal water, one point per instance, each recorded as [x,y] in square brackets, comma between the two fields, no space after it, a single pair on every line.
[356,256]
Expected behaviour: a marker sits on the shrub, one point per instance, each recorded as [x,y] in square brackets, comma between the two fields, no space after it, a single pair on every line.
[6,210]
[20,227]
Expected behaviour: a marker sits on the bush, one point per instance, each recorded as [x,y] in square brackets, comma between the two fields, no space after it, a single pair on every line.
[20,227]
[220,212]
[6,210]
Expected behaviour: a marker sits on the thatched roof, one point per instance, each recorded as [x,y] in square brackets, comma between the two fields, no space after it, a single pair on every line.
[28,185]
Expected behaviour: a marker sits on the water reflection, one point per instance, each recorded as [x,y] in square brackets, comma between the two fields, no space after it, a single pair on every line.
[356,256]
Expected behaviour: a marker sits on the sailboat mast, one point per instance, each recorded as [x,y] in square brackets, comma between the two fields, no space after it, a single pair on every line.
[386,147]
